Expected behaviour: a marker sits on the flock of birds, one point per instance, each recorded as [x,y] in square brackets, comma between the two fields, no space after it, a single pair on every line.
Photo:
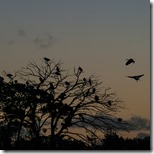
[129,61]
[47,60]
[135,77]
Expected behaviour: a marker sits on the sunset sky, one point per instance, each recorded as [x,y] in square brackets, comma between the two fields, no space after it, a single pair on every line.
[98,35]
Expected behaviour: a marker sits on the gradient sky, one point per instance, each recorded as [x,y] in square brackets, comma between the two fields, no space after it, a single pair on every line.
[98,35]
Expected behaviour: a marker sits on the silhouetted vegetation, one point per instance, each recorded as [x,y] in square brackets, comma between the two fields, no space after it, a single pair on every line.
[113,142]
[42,104]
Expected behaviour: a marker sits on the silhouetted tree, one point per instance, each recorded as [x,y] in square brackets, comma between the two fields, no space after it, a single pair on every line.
[112,141]
[44,99]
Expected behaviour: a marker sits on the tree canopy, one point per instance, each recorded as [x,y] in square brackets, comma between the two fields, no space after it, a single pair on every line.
[41,100]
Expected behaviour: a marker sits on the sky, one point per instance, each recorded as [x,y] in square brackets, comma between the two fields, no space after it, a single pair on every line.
[98,35]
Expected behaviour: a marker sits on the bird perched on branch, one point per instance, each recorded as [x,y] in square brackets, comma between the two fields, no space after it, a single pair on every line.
[57,69]
[27,83]
[80,69]
[84,79]
[96,98]
[90,82]
[81,116]
[87,93]
[51,85]
[67,83]
[109,102]
[1,79]
[46,59]
[15,81]
[41,80]
[94,90]
[129,61]
[57,73]
[9,75]
[136,77]
[119,119]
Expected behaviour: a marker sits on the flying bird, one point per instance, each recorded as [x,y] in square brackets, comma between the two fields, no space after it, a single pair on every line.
[136,77]
[129,61]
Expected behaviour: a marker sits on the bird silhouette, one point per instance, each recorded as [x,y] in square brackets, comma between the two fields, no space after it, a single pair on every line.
[109,102]
[1,79]
[136,77]
[90,82]
[89,138]
[57,73]
[87,93]
[129,61]
[94,90]
[9,75]
[67,83]
[119,119]
[57,69]
[51,85]
[27,83]
[96,98]
[46,59]
[84,79]
[81,116]
[80,69]
[44,130]
[15,81]
[62,95]
[41,80]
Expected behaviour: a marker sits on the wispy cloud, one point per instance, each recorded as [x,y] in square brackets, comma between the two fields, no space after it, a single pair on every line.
[104,122]
[142,135]
[11,42]
[135,123]
[21,33]
[44,41]
[138,123]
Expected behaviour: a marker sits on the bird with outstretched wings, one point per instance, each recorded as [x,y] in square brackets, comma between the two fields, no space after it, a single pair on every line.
[129,61]
[136,77]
